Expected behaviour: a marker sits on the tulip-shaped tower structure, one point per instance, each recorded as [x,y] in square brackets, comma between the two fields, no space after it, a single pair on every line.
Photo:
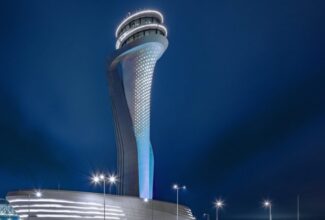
[141,40]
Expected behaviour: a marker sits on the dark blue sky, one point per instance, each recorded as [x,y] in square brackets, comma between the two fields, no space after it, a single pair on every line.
[238,104]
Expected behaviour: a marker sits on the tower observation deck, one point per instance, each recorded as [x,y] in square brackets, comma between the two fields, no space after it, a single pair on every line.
[141,41]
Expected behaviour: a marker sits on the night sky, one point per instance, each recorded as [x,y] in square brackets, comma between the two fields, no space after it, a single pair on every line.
[238,101]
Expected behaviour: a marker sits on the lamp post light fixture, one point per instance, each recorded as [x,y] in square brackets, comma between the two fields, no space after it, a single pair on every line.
[218,205]
[28,205]
[206,215]
[268,204]
[112,179]
[38,194]
[177,188]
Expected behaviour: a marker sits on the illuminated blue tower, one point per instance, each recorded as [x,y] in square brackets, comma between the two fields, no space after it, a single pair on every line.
[141,40]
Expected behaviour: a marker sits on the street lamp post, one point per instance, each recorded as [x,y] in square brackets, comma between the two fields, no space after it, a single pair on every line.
[97,179]
[298,207]
[38,194]
[218,204]
[268,204]
[103,178]
[146,200]
[206,215]
[112,179]
[177,188]
[28,205]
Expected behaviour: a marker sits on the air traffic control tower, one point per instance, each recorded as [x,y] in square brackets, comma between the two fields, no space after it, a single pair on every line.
[141,41]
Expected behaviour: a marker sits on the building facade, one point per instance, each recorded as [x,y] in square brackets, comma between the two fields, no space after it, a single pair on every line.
[141,40]
[67,205]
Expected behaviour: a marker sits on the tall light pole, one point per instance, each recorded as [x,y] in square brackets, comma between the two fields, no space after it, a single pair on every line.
[146,200]
[218,205]
[28,205]
[97,179]
[206,215]
[177,188]
[268,204]
[38,194]
[112,179]
[298,207]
